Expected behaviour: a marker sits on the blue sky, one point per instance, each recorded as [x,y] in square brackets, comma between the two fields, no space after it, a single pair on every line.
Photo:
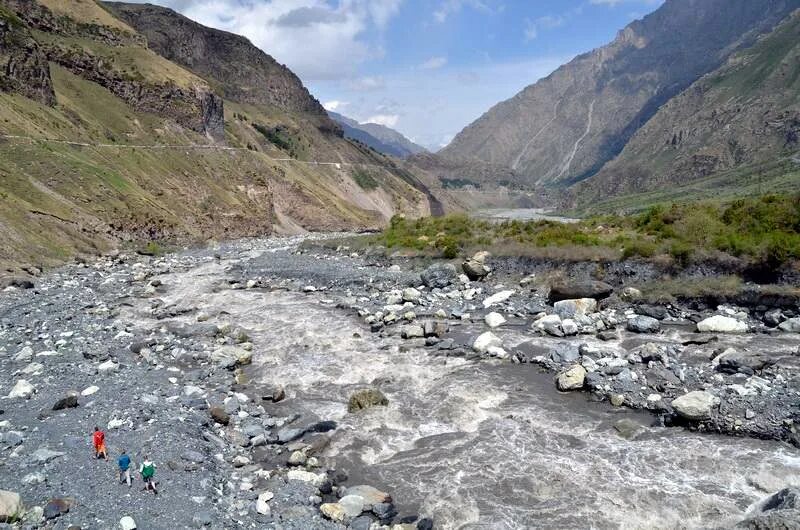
[424,67]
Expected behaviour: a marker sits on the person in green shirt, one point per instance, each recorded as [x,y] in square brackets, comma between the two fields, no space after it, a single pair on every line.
[148,472]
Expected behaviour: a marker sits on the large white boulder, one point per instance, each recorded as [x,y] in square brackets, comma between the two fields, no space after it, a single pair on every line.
[575,308]
[721,324]
[494,320]
[697,405]
[485,341]
[22,389]
[497,298]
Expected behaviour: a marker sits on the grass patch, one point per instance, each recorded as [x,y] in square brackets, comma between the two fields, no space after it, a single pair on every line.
[764,231]
[364,180]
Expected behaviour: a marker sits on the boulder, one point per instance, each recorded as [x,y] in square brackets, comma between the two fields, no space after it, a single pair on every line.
[696,406]
[57,507]
[231,357]
[127,523]
[10,506]
[369,494]
[790,326]
[485,341]
[575,308]
[411,295]
[44,455]
[567,290]
[494,320]
[219,415]
[628,429]
[550,324]
[439,275]
[747,363]
[412,331]
[261,503]
[773,318]
[22,389]
[721,324]
[476,269]
[366,398]
[334,511]
[497,298]
[69,402]
[643,324]
[572,379]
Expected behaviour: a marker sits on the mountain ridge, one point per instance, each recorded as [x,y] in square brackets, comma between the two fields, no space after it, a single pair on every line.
[565,127]
[379,137]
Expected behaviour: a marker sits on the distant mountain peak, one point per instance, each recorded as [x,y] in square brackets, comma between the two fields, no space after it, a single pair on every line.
[379,137]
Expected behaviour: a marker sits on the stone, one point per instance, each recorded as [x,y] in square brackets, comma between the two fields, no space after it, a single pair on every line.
[439,276]
[231,357]
[127,523]
[572,379]
[790,326]
[193,456]
[494,320]
[721,324]
[697,405]
[412,331]
[10,506]
[369,494]
[366,398]
[497,298]
[69,402]
[485,341]
[629,294]
[565,290]
[107,367]
[57,507]
[88,391]
[44,455]
[643,324]
[22,389]
[747,363]
[475,270]
[785,499]
[617,400]
[353,505]
[219,415]
[773,317]
[627,428]
[575,308]
[25,355]
[334,511]
[569,327]
[411,295]
[297,458]
[262,506]
[306,476]
[550,324]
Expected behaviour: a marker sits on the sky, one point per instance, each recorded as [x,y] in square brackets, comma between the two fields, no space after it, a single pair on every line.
[426,68]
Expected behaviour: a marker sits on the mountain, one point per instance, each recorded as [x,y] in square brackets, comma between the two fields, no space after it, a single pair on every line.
[564,128]
[379,137]
[737,129]
[124,123]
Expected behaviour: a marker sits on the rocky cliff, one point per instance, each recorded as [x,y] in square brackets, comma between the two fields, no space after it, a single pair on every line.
[742,115]
[23,64]
[243,72]
[565,127]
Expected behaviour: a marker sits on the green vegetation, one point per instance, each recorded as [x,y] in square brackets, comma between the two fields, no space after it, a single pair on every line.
[364,180]
[765,231]
[283,138]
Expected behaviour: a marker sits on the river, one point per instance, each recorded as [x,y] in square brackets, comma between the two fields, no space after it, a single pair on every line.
[480,444]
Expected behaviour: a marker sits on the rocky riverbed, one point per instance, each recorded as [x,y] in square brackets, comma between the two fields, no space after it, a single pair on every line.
[286,388]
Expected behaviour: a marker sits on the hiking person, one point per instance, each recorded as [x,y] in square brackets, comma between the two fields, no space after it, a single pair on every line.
[124,463]
[148,472]
[99,442]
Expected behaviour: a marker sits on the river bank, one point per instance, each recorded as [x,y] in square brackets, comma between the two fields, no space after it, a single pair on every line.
[233,367]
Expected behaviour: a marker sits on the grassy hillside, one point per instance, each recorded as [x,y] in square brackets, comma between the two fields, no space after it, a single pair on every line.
[100,167]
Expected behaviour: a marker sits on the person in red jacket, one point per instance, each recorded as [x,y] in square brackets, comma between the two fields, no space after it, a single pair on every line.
[99,442]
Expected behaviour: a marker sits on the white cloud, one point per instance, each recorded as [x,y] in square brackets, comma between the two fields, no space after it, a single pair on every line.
[366,84]
[434,63]
[335,105]
[615,3]
[450,7]
[533,27]
[387,120]
[343,35]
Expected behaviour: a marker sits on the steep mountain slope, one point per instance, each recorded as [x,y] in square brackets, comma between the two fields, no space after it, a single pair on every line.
[740,120]
[383,139]
[102,141]
[567,126]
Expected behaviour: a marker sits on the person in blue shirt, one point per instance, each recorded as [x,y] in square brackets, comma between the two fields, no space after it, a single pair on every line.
[124,463]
